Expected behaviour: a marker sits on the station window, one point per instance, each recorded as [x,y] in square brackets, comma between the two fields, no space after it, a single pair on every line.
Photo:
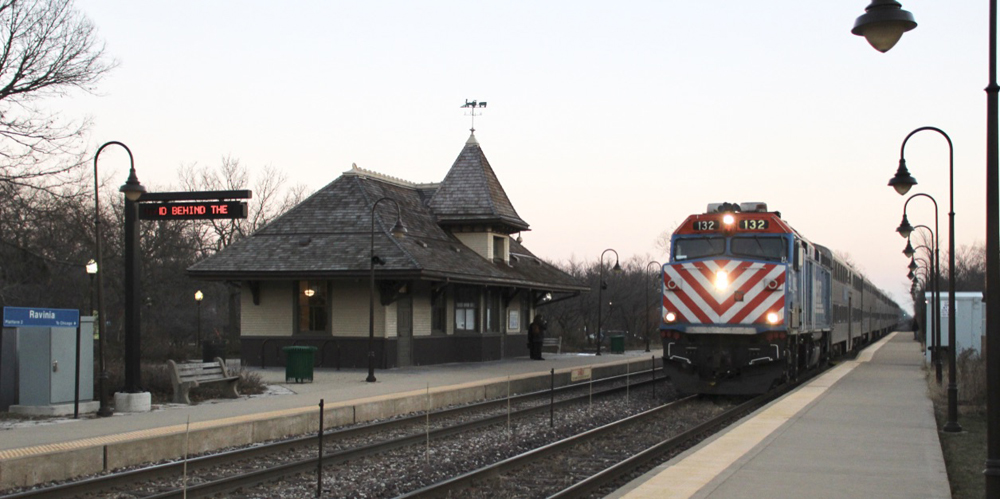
[439,308]
[498,253]
[466,305]
[313,307]
[492,311]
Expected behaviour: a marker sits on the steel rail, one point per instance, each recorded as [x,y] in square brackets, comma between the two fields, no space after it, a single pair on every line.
[615,472]
[174,468]
[668,446]
[236,482]
[440,489]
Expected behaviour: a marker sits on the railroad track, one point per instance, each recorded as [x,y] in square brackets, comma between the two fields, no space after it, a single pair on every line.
[596,462]
[338,448]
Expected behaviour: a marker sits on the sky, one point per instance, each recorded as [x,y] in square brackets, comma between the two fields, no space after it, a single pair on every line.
[606,123]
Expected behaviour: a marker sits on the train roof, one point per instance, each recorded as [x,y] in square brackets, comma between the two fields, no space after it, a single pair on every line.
[747,218]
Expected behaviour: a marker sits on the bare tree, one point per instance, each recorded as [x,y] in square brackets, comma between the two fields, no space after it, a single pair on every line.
[970,268]
[662,242]
[47,49]
[267,202]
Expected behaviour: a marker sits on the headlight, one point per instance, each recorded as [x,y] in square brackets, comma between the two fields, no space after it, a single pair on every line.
[721,280]
[669,317]
[728,219]
[772,318]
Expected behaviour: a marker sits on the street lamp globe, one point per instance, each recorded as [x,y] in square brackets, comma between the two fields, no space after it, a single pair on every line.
[902,181]
[92,267]
[908,251]
[883,24]
[132,189]
[905,229]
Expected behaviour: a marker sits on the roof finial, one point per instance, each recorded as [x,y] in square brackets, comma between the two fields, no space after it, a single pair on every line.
[472,105]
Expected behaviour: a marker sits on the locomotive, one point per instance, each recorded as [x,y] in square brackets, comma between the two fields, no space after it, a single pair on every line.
[749,303]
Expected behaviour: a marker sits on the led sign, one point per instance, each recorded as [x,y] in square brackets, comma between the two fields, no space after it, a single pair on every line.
[199,210]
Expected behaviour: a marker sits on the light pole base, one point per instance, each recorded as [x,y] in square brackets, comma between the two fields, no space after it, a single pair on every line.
[133,402]
[370,378]
[952,427]
[105,410]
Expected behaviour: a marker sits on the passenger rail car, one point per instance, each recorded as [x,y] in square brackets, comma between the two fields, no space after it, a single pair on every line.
[748,303]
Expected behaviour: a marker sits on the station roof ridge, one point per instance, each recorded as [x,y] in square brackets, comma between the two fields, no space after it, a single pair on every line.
[361,172]
[327,235]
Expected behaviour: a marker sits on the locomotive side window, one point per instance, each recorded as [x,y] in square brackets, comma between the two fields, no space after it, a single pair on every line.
[762,248]
[685,249]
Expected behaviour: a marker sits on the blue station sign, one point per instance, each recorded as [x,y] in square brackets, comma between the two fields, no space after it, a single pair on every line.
[40,317]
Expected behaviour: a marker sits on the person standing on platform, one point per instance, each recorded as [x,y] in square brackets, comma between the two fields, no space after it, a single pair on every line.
[536,332]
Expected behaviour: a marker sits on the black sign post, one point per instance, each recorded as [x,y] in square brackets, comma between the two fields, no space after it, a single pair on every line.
[195,205]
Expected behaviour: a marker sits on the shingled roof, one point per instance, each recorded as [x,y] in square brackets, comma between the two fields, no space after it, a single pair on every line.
[471,192]
[328,235]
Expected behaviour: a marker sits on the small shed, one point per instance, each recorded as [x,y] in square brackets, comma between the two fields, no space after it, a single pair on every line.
[970,320]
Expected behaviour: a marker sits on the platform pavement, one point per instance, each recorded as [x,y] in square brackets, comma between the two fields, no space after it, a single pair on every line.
[864,429]
[74,447]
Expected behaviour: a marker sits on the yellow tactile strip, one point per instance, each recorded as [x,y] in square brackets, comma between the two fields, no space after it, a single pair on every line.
[687,477]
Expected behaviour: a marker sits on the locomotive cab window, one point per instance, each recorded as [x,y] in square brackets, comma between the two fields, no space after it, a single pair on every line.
[759,247]
[686,249]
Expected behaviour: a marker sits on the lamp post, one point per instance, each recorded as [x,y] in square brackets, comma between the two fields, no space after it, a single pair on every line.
[600,294]
[902,183]
[992,300]
[659,265]
[91,270]
[910,251]
[102,321]
[133,190]
[198,297]
[398,231]
[905,230]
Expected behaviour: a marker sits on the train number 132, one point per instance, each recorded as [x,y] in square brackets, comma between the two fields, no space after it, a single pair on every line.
[704,225]
[752,224]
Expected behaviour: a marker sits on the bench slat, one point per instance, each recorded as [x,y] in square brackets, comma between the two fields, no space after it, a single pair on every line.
[198,367]
[193,372]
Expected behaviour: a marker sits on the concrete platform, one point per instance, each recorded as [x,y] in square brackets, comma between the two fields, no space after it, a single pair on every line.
[864,429]
[41,453]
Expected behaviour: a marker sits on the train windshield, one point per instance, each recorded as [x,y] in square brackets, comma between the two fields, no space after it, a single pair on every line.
[760,248]
[685,249]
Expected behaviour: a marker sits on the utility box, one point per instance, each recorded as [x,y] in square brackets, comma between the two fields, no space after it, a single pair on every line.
[38,369]
[970,320]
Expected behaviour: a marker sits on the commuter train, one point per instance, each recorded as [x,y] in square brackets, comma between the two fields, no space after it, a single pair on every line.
[748,303]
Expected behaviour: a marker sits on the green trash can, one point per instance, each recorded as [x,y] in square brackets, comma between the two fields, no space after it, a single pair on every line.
[617,344]
[299,363]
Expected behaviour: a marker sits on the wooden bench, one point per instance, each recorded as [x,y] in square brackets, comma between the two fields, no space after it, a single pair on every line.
[194,374]
[553,342]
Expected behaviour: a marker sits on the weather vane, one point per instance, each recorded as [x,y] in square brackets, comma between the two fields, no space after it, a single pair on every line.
[471,106]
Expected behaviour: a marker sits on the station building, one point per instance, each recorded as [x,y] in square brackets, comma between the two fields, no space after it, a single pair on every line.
[458,286]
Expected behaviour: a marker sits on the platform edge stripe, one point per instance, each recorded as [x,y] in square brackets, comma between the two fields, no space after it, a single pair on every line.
[21,452]
[693,473]
[143,434]
[867,354]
